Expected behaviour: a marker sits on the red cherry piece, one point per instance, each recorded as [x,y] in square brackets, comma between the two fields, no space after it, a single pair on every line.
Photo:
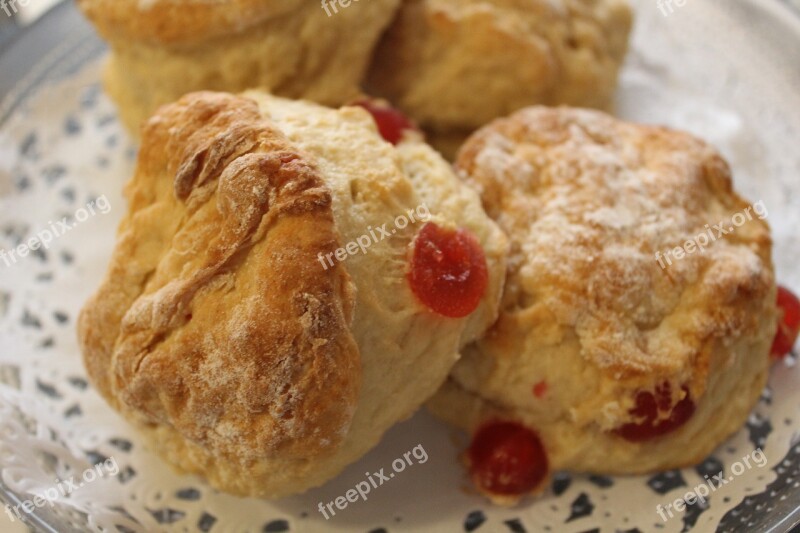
[656,415]
[506,458]
[391,122]
[448,271]
[540,389]
[789,325]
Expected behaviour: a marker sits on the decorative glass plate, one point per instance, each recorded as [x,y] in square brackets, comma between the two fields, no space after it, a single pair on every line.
[728,71]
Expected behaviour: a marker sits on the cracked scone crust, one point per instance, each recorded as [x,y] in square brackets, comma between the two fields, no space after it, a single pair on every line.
[589,315]
[218,332]
[212,291]
[163,49]
[454,65]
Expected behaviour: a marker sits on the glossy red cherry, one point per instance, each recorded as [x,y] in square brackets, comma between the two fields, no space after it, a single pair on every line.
[656,416]
[448,271]
[392,124]
[506,458]
[789,324]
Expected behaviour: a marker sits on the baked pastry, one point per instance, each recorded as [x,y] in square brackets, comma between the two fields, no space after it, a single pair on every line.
[639,306]
[455,65]
[260,320]
[163,49]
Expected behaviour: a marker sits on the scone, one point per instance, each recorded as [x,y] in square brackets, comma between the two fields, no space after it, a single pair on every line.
[266,318]
[163,49]
[455,65]
[639,308]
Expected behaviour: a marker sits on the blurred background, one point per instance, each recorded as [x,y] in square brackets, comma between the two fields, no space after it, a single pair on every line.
[24,15]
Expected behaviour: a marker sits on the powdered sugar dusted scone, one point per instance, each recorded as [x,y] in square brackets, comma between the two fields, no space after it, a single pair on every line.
[260,320]
[162,49]
[635,326]
[454,65]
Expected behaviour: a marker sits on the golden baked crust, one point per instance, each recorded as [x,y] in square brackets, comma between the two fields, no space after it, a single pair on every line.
[457,64]
[179,21]
[587,202]
[221,330]
[213,318]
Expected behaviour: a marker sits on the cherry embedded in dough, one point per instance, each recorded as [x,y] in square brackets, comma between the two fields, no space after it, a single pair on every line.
[392,124]
[507,459]
[789,324]
[540,389]
[656,416]
[448,271]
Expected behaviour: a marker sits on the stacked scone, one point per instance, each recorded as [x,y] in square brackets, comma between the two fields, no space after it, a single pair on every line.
[292,279]
[454,65]
[163,49]
[451,65]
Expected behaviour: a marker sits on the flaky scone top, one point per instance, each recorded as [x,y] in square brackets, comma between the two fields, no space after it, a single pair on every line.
[591,204]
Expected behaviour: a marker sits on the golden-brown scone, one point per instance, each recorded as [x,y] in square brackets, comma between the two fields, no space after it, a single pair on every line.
[163,49]
[454,65]
[221,331]
[601,318]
